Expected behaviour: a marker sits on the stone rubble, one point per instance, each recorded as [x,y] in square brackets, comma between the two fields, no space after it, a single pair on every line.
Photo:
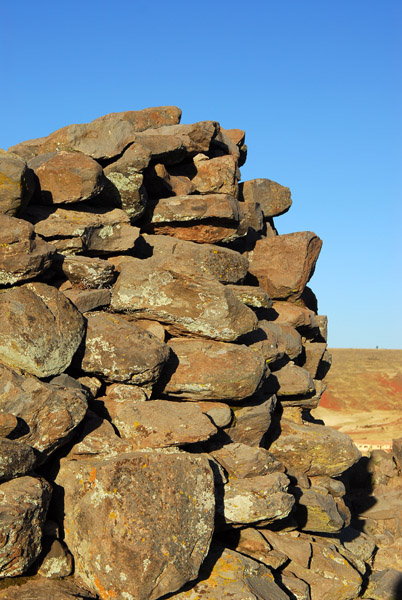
[160,352]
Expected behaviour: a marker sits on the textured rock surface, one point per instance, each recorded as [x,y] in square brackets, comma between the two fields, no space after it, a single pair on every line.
[43,589]
[16,183]
[23,506]
[40,329]
[167,515]
[195,305]
[210,370]
[16,459]
[273,198]
[284,264]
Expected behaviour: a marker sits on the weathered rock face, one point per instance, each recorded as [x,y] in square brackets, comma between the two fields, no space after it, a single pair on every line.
[210,370]
[16,183]
[23,255]
[284,264]
[40,329]
[192,305]
[23,506]
[147,401]
[113,528]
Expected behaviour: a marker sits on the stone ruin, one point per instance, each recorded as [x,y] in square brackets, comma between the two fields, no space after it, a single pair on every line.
[159,355]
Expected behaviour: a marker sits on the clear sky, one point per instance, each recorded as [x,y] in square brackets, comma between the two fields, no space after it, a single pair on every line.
[316,85]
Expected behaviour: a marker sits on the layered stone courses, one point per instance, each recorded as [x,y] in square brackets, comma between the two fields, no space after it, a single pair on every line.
[159,354]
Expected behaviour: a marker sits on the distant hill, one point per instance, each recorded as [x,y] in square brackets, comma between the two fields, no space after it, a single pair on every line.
[364,395]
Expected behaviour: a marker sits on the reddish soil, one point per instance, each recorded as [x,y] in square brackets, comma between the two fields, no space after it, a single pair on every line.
[364,396]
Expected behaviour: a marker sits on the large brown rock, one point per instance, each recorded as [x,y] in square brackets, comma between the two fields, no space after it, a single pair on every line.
[66,177]
[23,507]
[317,511]
[216,175]
[46,589]
[159,423]
[47,412]
[314,449]
[293,380]
[144,540]
[285,263]
[16,183]
[91,229]
[273,198]
[197,305]
[207,218]
[226,265]
[23,256]
[16,459]
[243,461]
[103,138]
[40,330]
[119,350]
[87,272]
[229,574]
[210,370]
[261,499]
[252,422]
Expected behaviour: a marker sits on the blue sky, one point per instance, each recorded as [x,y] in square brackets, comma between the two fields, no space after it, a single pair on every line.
[316,85]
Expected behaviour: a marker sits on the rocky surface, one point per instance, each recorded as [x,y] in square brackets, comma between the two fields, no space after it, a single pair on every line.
[160,355]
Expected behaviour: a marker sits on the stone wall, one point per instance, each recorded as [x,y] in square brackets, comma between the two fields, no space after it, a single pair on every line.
[159,356]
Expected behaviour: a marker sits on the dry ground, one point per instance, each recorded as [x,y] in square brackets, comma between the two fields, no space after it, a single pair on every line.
[364,396]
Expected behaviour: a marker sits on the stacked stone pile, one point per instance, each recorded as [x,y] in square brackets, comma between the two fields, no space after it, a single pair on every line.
[159,356]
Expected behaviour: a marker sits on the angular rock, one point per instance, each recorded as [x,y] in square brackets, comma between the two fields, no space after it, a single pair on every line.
[16,184]
[16,459]
[126,180]
[57,563]
[160,182]
[118,350]
[252,543]
[88,272]
[200,306]
[251,295]
[207,218]
[226,265]
[285,263]
[159,423]
[241,461]
[273,341]
[314,352]
[8,424]
[397,452]
[252,422]
[104,137]
[228,574]
[251,217]
[86,300]
[67,177]
[44,589]
[22,255]
[294,315]
[256,499]
[219,413]
[111,526]
[215,175]
[273,198]
[298,549]
[152,327]
[40,330]
[297,587]
[293,380]
[210,370]
[47,413]
[317,511]
[87,229]
[314,449]
[23,506]
[329,575]
[384,585]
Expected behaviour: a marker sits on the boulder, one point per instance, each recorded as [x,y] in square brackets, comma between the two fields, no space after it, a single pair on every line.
[294,315]
[114,529]
[210,370]
[8,424]
[241,461]
[67,177]
[273,198]
[226,265]
[251,217]
[252,422]
[103,138]
[317,511]
[17,184]
[159,423]
[229,574]
[88,272]
[195,305]
[285,263]
[16,459]
[262,499]
[23,255]
[119,350]
[313,352]
[293,380]
[207,218]
[23,505]
[57,562]
[86,300]
[384,585]
[216,175]
[251,295]
[219,413]
[297,549]
[314,449]
[47,413]
[44,589]
[40,330]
